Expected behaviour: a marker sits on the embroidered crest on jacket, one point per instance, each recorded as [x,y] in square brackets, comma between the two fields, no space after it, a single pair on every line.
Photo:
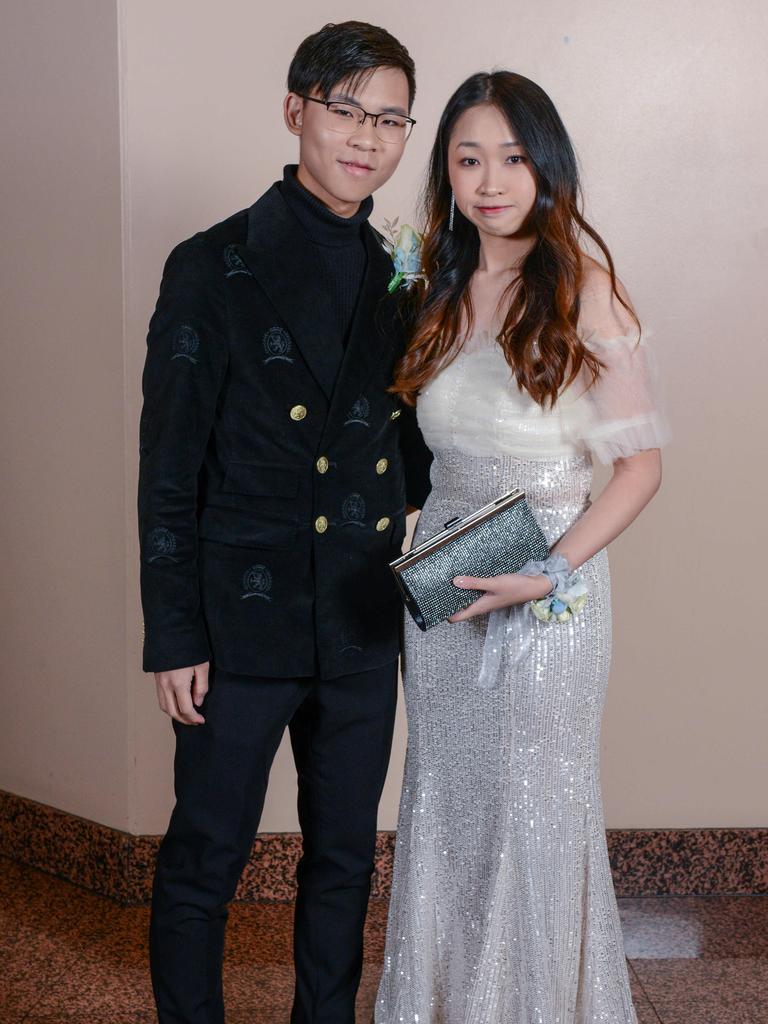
[234,263]
[277,345]
[359,412]
[162,543]
[257,582]
[353,510]
[349,641]
[186,343]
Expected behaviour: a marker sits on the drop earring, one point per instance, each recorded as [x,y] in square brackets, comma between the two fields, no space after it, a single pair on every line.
[452,213]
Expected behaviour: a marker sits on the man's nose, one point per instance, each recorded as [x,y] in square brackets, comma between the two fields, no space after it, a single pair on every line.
[365,136]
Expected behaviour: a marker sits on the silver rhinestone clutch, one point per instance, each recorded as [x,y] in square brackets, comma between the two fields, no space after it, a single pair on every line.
[498,538]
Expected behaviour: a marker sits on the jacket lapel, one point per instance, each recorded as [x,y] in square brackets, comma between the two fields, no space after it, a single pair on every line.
[370,336]
[279,255]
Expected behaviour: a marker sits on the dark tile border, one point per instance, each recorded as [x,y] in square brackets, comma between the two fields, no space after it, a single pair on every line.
[94,856]
[645,862]
[689,862]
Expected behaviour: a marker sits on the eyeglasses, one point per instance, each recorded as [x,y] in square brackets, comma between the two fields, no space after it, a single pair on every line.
[347,118]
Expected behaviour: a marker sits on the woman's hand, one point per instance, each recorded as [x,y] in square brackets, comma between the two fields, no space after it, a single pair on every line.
[634,482]
[500,592]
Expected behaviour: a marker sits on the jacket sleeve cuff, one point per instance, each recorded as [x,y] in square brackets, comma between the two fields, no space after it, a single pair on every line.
[164,652]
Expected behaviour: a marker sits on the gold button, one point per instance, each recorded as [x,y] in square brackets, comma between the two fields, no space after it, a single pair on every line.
[321,524]
[382,466]
[322,464]
[395,414]
[298,412]
[383,524]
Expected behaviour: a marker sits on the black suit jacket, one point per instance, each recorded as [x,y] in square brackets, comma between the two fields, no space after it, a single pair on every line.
[274,465]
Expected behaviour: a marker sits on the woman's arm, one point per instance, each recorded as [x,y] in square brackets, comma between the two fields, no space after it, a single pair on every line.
[624,417]
[634,482]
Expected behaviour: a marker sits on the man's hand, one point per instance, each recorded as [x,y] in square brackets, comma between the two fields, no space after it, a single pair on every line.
[181,690]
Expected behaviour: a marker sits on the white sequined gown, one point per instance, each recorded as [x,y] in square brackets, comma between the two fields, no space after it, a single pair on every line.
[502,908]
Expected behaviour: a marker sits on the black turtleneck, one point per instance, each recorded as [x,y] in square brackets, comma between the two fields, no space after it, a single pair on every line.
[339,244]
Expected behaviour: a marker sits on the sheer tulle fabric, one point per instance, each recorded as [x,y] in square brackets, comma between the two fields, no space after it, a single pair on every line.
[486,413]
[621,413]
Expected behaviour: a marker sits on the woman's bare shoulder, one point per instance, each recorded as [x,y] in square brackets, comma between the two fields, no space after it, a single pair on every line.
[601,311]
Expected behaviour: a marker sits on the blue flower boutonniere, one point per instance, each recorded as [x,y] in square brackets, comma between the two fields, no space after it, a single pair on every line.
[404,247]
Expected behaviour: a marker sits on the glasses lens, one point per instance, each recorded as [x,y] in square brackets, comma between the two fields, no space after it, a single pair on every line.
[393,128]
[343,117]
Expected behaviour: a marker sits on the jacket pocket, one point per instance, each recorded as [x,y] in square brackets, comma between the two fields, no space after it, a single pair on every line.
[263,481]
[244,529]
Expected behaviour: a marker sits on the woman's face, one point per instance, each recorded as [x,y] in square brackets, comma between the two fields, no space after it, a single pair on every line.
[490,173]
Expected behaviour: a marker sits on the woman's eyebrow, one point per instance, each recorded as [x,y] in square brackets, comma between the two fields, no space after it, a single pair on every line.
[476,145]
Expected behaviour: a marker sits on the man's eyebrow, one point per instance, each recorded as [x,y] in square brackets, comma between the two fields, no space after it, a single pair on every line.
[340,97]
[476,145]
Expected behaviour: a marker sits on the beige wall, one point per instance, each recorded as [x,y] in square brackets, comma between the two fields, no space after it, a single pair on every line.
[63,737]
[663,104]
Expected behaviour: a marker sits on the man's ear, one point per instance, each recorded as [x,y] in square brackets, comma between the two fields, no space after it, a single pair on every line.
[293,113]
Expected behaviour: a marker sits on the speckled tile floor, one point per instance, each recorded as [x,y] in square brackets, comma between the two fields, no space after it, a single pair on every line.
[68,956]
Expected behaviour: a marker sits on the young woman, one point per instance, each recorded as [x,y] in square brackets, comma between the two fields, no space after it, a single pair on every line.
[527,360]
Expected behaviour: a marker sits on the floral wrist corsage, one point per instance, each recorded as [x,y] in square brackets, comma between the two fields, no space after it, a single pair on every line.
[563,604]
[404,247]
[568,594]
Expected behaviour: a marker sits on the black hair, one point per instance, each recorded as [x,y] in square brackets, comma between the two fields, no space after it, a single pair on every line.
[348,52]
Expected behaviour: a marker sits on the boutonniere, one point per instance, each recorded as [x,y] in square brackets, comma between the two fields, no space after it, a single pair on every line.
[404,248]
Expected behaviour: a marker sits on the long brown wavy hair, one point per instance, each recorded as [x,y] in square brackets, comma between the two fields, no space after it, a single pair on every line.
[539,335]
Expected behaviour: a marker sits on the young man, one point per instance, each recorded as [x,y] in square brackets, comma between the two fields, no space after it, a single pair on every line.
[272,496]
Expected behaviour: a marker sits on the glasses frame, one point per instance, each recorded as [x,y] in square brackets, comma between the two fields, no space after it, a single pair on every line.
[366,114]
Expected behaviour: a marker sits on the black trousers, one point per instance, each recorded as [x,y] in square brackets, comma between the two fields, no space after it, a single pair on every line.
[341,734]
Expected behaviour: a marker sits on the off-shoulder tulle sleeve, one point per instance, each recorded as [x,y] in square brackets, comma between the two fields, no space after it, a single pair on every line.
[622,412]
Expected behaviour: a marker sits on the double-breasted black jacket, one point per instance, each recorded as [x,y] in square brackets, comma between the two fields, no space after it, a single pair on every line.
[274,464]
